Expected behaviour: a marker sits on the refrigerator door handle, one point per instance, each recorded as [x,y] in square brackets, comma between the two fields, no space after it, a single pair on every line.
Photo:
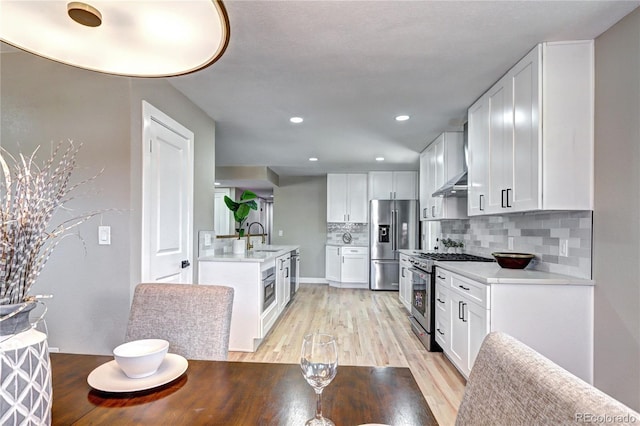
[393,230]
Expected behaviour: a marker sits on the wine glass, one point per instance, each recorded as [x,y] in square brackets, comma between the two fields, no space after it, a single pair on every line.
[319,363]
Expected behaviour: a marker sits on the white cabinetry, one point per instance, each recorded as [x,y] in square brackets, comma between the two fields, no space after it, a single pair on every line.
[531,134]
[347,197]
[552,318]
[443,317]
[283,280]
[442,160]
[332,263]
[354,265]
[404,280]
[401,185]
[347,266]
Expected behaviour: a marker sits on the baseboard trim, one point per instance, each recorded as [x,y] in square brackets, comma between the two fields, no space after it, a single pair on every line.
[312,280]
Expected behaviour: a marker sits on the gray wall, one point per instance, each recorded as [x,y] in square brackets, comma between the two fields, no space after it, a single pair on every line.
[300,211]
[43,101]
[617,211]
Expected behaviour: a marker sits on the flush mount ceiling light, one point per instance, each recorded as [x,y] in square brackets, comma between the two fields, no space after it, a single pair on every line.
[402,118]
[379,158]
[296,120]
[138,38]
[313,159]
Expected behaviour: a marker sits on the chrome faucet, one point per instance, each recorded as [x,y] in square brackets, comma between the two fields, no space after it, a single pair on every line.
[249,245]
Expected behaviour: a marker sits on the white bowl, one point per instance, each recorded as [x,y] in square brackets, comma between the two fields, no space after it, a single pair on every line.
[141,358]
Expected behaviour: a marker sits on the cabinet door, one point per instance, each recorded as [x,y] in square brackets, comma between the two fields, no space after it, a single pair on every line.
[500,146]
[336,197]
[425,196]
[432,158]
[354,268]
[439,175]
[357,201]
[459,333]
[332,262]
[478,135]
[380,185]
[526,194]
[286,279]
[405,185]
[478,323]
[404,281]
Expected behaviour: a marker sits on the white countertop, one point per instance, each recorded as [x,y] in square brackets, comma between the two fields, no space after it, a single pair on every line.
[257,254]
[492,273]
[347,245]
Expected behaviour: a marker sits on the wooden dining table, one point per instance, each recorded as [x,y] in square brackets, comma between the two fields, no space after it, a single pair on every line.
[238,393]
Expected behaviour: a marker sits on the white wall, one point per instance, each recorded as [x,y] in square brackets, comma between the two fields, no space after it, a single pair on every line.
[616,219]
[43,101]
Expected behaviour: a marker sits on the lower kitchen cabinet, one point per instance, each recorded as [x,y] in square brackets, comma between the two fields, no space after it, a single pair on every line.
[283,280]
[332,263]
[347,266]
[404,280]
[554,317]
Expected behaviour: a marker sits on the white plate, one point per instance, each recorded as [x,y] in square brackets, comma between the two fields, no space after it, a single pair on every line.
[110,378]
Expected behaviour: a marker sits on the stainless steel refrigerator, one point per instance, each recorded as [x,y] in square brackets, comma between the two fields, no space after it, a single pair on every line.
[393,226]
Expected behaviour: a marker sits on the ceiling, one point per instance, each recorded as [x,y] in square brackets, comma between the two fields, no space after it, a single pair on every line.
[349,67]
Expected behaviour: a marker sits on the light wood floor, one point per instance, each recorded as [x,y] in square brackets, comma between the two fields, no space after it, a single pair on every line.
[371,329]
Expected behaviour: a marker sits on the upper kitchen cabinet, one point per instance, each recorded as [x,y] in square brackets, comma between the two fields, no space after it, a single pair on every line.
[347,197]
[442,161]
[531,134]
[393,185]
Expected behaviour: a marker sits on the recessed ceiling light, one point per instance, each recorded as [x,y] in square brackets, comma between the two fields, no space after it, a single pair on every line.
[402,118]
[313,159]
[216,183]
[379,158]
[296,120]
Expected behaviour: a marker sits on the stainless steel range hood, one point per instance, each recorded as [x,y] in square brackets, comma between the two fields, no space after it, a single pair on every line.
[455,187]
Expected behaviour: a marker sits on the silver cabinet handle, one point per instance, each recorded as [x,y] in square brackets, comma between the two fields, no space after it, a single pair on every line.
[480,206]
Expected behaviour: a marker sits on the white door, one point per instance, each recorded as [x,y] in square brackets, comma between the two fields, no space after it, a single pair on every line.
[167,207]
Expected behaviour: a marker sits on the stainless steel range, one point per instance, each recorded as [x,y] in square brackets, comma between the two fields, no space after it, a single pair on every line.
[423,289]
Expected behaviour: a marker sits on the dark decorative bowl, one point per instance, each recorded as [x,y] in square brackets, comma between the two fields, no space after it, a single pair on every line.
[513,260]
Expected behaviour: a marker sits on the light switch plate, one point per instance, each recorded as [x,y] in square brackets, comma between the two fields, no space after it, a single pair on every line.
[104,235]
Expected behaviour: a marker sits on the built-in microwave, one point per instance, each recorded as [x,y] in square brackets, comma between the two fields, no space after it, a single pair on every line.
[269,287]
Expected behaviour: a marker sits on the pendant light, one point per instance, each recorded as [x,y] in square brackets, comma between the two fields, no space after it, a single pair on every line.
[137,38]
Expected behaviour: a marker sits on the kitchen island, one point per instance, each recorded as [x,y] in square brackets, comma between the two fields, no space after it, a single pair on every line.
[261,279]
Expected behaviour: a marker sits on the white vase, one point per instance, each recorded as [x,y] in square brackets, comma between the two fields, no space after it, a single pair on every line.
[238,246]
[25,379]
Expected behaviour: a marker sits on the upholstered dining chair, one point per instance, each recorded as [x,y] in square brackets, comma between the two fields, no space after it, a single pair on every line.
[195,319]
[511,384]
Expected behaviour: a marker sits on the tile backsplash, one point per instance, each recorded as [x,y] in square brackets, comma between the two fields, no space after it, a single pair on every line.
[537,233]
[359,233]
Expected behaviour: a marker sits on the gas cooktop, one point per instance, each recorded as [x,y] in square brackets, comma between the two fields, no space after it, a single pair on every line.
[455,257]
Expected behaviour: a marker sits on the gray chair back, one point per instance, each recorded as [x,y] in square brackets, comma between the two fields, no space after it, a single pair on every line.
[511,384]
[195,319]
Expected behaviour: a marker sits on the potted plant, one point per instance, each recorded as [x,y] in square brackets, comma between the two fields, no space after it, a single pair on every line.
[241,210]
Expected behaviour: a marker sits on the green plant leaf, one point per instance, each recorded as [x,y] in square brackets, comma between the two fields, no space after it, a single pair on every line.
[248,195]
[232,205]
[252,204]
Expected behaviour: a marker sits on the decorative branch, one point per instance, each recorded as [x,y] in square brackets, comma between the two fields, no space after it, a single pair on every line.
[29,197]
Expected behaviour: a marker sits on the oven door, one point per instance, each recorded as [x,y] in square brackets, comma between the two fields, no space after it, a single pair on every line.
[269,286]
[421,297]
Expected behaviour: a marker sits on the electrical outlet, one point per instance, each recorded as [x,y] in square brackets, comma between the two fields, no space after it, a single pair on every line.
[207,240]
[564,247]
[510,243]
[280,233]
